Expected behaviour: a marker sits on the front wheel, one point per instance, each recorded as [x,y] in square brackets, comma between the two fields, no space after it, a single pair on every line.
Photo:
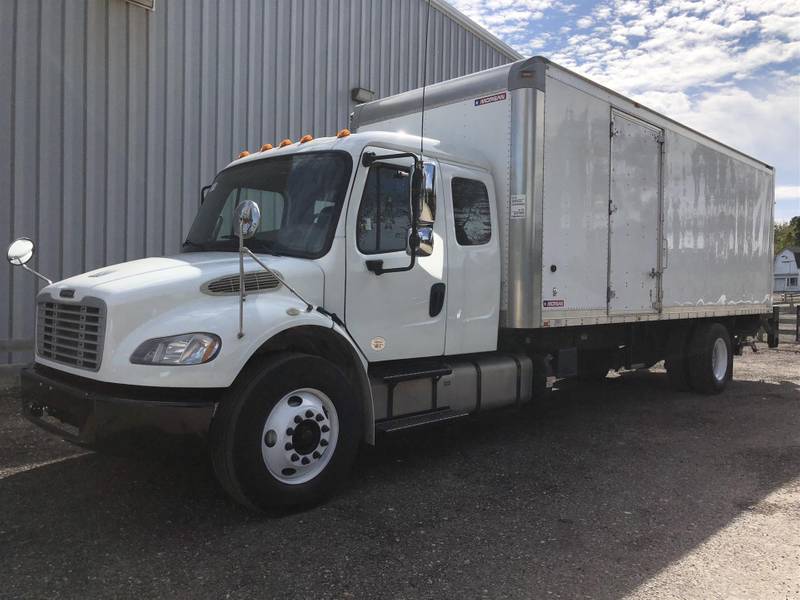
[287,433]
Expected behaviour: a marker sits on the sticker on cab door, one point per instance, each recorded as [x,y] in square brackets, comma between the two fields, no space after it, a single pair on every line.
[377,344]
[489,99]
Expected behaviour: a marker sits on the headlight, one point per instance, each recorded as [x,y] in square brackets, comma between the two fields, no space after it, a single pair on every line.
[185,349]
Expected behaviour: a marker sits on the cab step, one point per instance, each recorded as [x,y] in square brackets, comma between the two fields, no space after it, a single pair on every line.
[426,418]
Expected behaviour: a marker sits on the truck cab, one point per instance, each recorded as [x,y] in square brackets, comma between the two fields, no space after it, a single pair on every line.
[343,275]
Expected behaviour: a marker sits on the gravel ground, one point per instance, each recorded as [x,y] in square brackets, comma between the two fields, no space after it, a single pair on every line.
[624,489]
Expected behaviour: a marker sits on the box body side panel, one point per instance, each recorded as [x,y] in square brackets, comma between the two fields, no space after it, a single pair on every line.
[718,227]
[576,195]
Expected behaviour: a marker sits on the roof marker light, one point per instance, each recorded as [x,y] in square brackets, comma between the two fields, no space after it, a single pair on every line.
[343,133]
[244,153]
[266,147]
[306,138]
[285,142]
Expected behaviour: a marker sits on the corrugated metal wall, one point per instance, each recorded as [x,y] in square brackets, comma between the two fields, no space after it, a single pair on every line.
[113,117]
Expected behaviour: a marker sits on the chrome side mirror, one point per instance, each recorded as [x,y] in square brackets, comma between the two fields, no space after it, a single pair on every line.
[424,242]
[20,251]
[249,217]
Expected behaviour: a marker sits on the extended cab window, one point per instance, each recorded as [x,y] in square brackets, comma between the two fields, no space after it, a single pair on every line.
[473,222]
[385,212]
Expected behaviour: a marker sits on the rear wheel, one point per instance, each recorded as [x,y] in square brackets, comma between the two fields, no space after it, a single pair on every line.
[287,433]
[710,358]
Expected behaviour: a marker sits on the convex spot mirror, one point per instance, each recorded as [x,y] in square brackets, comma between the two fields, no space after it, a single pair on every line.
[248,215]
[20,251]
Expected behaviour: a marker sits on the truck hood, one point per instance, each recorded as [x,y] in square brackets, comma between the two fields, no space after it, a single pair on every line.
[184,274]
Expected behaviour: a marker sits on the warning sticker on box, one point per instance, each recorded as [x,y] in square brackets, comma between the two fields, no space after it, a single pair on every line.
[490,99]
[553,303]
[519,206]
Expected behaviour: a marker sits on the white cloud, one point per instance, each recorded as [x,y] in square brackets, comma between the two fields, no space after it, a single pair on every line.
[787,192]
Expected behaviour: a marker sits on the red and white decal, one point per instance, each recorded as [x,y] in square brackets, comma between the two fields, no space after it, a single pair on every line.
[489,99]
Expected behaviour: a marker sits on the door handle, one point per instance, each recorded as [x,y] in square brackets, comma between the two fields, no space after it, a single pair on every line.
[437,299]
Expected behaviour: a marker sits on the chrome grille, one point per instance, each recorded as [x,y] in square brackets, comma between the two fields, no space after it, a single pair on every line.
[71,333]
[254,281]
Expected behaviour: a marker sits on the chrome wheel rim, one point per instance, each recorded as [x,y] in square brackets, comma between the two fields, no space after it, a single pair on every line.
[719,359]
[299,436]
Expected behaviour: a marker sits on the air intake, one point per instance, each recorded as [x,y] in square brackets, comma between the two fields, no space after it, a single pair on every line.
[254,281]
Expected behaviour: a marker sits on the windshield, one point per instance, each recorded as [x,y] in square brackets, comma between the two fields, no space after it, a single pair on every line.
[300,197]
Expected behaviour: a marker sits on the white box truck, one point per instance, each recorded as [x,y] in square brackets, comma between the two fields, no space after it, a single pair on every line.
[543,227]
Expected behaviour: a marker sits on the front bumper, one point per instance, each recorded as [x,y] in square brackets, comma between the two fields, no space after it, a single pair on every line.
[88,412]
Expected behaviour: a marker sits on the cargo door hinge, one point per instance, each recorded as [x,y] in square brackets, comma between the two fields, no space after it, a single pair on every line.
[609,294]
[611,130]
[659,137]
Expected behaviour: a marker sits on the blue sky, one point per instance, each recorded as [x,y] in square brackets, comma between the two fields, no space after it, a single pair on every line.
[729,68]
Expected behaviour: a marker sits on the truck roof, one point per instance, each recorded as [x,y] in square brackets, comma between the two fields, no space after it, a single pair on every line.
[355,142]
[527,73]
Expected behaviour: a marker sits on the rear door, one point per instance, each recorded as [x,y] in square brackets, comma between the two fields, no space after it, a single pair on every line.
[634,280]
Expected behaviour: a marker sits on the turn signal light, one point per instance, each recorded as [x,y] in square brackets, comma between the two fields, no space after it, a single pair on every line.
[343,133]
[243,153]
[266,147]
[306,138]
[285,142]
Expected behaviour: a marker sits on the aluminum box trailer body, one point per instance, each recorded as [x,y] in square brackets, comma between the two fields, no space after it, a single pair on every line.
[610,212]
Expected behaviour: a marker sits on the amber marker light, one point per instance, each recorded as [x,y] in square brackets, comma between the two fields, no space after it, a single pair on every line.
[306,138]
[266,147]
[285,142]
[343,133]
[243,153]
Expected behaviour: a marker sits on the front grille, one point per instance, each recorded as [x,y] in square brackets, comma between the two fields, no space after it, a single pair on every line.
[71,333]
[254,281]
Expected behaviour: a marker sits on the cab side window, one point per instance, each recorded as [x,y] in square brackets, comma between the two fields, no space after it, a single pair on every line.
[473,222]
[385,214]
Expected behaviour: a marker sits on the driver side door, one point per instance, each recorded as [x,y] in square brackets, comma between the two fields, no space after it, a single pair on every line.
[394,315]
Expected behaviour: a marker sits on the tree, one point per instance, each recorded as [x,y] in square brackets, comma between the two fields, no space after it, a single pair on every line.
[787,234]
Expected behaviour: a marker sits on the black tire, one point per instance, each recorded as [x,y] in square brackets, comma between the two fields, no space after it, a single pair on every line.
[702,376]
[676,362]
[238,426]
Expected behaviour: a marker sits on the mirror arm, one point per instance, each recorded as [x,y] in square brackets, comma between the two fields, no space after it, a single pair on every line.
[39,275]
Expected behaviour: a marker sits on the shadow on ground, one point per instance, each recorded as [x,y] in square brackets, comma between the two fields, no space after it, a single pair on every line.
[588,496]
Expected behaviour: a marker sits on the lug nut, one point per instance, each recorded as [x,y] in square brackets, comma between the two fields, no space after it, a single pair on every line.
[289,446]
[319,417]
[323,442]
[295,458]
[309,414]
[325,429]
[305,460]
[298,419]
[316,454]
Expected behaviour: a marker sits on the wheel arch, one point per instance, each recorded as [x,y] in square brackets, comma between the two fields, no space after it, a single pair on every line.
[332,345]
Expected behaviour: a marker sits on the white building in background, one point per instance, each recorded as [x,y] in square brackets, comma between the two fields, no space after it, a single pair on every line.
[112,116]
[787,270]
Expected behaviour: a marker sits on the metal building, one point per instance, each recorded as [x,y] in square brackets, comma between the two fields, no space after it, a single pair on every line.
[112,117]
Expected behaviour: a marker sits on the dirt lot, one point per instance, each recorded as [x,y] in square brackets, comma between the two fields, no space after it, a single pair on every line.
[626,489]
